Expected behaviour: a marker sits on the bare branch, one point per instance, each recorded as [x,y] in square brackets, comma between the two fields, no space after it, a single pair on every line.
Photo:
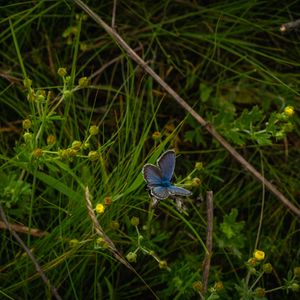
[209,243]
[30,255]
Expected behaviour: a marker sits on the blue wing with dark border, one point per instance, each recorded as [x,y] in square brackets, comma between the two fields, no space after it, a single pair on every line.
[152,175]
[166,163]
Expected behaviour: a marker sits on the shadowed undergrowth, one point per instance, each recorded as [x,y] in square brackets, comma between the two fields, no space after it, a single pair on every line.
[75,111]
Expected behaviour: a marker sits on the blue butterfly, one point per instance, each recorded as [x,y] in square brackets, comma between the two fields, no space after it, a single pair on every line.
[159,177]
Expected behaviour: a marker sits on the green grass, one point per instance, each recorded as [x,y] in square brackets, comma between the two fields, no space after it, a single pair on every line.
[224,59]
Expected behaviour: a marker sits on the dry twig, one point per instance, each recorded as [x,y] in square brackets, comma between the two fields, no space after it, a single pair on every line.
[207,258]
[30,255]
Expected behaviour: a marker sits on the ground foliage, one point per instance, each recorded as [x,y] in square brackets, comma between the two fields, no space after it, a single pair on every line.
[62,131]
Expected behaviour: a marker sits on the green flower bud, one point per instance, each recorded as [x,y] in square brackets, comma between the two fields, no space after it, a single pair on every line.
[51,139]
[219,286]
[27,136]
[36,153]
[27,82]
[198,286]
[267,268]
[295,287]
[199,165]
[62,72]
[163,264]
[93,155]
[135,221]
[73,243]
[94,130]
[76,145]
[297,272]
[83,82]
[259,292]
[26,124]
[100,242]
[131,257]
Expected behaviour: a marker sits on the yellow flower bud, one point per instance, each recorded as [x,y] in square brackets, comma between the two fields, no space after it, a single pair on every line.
[163,264]
[37,153]
[94,130]
[26,124]
[93,155]
[51,139]
[259,255]
[100,208]
[83,82]
[62,72]
[76,145]
[289,111]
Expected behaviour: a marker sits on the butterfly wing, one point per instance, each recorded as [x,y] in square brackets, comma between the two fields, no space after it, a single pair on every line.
[159,192]
[166,163]
[175,190]
[152,175]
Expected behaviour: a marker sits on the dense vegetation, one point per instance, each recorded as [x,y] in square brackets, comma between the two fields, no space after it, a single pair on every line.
[76,111]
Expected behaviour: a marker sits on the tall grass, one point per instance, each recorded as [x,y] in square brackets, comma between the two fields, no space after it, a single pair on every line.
[223,57]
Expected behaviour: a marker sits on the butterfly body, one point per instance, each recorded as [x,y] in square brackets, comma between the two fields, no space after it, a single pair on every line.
[158,177]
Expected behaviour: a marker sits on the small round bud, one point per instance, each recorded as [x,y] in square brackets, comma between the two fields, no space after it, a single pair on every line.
[198,286]
[86,145]
[83,82]
[62,72]
[31,97]
[26,124]
[63,153]
[156,135]
[76,145]
[267,268]
[289,111]
[259,292]
[40,98]
[27,82]
[83,46]
[71,152]
[297,272]
[107,200]
[288,127]
[67,94]
[100,208]
[219,286]
[252,262]
[196,181]
[93,155]
[199,165]
[51,139]
[37,153]
[100,242]
[27,136]
[115,225]
[295,287]
[135,221]
[131,257]
[94,130]
[163,264]
[73,243]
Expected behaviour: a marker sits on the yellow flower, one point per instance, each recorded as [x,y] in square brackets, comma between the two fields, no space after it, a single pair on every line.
[100,208]
[259,255]
[289,111]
